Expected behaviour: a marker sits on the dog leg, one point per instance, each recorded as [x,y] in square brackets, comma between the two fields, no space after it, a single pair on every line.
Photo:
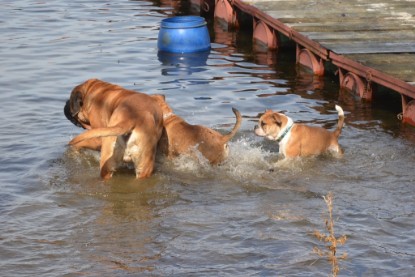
[336,151]
[292,150]
[112,152]
[143,155]
[93,144]
[145,167]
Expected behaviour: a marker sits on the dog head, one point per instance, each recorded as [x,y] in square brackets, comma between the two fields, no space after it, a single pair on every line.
[75,108]
[70,115]
[270,125]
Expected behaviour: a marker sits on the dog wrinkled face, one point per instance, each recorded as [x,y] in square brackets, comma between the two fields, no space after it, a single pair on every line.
[269,125]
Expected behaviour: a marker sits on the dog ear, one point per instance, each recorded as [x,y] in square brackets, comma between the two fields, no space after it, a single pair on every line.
[76,102]
[277,119]
[69,116]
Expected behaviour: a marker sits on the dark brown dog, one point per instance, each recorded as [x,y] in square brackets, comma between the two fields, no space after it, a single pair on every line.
[123,123]
[180,137]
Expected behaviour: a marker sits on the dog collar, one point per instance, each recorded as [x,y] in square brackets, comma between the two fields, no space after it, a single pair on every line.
[285,132]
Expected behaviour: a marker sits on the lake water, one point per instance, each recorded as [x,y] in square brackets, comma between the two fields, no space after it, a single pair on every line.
[248,217]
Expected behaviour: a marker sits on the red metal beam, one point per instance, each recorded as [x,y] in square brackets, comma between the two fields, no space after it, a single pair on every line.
[373,75]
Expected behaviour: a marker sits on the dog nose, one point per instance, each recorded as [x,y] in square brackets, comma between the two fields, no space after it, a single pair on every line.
[256,127]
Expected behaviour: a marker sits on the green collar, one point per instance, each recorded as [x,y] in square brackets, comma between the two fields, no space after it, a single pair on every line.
[287,129]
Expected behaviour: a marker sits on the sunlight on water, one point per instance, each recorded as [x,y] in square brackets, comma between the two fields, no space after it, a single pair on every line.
[251,216]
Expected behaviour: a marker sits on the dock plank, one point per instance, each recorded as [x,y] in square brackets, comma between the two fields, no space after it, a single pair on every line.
[387,27]
[374,33]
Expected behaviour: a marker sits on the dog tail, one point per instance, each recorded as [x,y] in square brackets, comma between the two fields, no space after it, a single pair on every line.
[340,123]
[235,128]
[101,132]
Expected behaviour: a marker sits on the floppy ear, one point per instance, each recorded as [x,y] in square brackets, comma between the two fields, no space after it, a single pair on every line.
[277,119]
[69,116]
[76,102]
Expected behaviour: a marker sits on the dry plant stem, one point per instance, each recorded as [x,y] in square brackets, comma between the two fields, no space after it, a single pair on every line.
[330,239]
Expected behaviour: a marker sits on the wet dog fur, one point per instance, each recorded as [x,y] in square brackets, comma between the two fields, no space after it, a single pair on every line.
[123,124]
[180,137]
[299,140]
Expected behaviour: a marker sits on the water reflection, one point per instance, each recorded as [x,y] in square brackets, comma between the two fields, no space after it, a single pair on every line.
[178,64]
[268,57]
[239,219]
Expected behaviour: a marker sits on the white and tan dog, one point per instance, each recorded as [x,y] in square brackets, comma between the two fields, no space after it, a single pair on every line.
[180,137]
[299,140]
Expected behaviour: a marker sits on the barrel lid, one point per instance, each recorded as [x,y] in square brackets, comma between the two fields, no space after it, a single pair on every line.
[187,21]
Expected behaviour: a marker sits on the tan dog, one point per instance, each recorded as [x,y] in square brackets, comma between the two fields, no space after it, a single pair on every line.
[123,123]
[180,137]
[298,139]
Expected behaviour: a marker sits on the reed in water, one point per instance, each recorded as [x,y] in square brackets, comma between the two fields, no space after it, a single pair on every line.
[329,239]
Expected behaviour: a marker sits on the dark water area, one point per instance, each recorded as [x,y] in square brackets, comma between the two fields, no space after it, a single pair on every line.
[252,216]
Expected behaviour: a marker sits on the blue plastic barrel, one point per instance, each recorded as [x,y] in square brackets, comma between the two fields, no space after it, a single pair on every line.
[183,34]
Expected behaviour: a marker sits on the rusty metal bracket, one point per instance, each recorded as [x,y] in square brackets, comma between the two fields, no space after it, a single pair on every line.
[367,92]
[205,6]
[224,11]
[307,58]
[264,34]
[408,110]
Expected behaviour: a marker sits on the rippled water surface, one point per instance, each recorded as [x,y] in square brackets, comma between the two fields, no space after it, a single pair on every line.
[248,217]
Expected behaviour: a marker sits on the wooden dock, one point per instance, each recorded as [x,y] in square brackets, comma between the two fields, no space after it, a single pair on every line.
[371,42]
